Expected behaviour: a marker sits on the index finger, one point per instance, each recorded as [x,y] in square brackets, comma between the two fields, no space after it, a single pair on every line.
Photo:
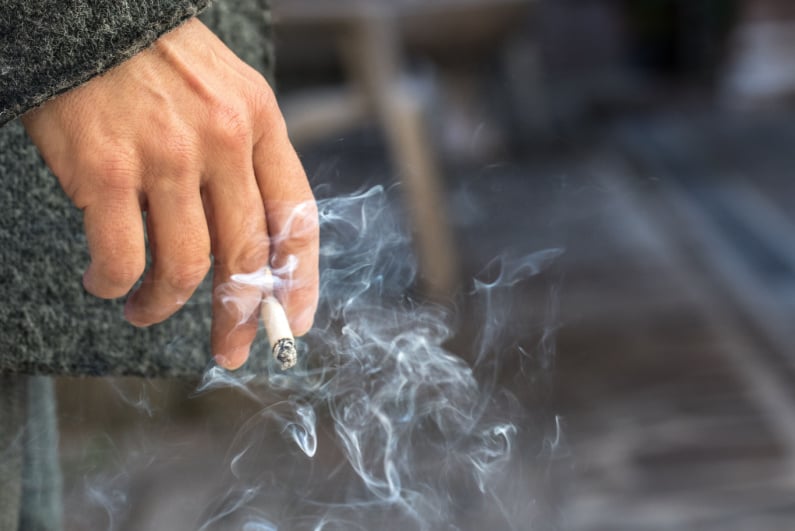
[292,221]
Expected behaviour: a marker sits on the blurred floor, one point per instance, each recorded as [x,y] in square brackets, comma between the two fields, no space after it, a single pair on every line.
[674,361]
[671,382]
[678,397]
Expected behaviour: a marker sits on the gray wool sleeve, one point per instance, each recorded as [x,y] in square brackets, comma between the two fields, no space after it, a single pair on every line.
[48,47]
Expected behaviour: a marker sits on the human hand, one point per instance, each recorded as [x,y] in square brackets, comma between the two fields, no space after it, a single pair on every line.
[188,133]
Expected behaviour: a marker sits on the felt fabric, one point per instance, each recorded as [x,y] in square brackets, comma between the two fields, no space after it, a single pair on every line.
[51,46]
[50,325]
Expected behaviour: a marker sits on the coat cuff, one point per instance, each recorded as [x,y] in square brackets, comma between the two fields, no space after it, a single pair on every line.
[49,47]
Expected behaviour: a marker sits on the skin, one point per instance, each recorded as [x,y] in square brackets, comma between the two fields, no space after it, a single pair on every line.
[192,136]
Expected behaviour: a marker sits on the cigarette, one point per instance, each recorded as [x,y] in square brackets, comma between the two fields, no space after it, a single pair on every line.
[278,329]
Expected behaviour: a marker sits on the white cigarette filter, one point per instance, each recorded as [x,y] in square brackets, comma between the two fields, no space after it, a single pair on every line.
[279,334]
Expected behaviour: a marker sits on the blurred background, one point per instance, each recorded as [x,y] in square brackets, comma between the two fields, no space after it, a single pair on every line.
[653,140]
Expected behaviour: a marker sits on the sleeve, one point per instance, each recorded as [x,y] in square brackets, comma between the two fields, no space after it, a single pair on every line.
[48,47]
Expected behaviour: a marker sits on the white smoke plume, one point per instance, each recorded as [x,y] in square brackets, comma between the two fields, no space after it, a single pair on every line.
[382,426]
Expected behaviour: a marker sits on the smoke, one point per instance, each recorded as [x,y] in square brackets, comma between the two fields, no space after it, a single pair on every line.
[420,435]
[498,302]
[380,425]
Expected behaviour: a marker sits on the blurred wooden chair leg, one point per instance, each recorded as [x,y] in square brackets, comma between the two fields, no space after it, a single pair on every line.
[423,187]
[371,52]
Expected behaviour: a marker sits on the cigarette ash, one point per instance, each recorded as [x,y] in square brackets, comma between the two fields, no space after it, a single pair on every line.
[381,425]
[285,352]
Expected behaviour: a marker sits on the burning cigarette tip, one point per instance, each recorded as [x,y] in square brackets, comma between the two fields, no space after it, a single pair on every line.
[279,333]
[285,353]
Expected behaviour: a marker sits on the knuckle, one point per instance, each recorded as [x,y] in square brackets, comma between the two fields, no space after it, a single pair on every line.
[231,127]
[119,276]
[252,257]
[303,227]
[187,276]
[269,115]
[114,167]
[181,153]
[264,99]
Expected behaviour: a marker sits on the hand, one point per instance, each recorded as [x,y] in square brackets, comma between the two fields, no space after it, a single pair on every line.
[188,133]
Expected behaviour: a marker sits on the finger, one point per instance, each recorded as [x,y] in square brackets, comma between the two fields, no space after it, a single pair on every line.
[114,232]
[292,222]
[180,245]
[240,248]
